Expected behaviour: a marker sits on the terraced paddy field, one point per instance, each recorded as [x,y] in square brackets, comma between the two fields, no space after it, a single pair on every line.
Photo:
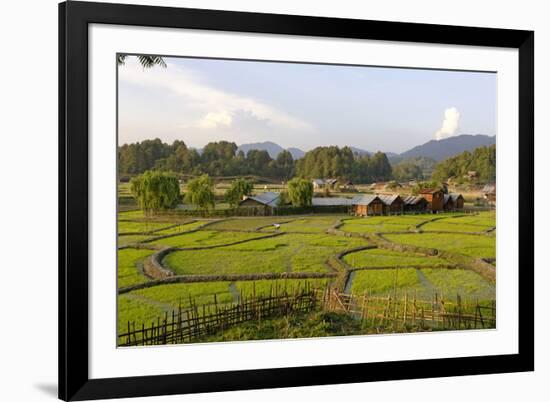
[302,246]
[383,224]
[125,240]
[318,224]
[203,238]
[243,223]
[471,245]
[424,283]
[146,305]
[137,227]
[129,261]
[284,253]
[377,257]
[473,224]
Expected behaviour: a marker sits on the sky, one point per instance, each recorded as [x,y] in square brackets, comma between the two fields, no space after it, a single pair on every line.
[301,105]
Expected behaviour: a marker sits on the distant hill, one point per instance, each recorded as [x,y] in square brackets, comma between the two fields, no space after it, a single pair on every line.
[296,153]
[272,149]
[360,151]
[448,147]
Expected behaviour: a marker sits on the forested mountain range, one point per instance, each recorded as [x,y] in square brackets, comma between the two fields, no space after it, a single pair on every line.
[447,147]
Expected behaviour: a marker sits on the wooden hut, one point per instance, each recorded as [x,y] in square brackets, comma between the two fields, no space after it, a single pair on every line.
[415,204]
[434,196]
[490,193]
[367,205]
[393,204]
[262,204]
[458,200]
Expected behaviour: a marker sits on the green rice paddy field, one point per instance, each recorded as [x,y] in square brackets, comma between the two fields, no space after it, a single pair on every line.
[302,246]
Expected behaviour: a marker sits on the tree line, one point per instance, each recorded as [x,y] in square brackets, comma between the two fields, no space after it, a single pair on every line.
[224,159]
[157,191]
[481,160]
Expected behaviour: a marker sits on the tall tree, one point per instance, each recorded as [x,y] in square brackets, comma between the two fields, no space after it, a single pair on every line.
[238,189]
[200,192]
[155,191]
[300,192]
[285,164]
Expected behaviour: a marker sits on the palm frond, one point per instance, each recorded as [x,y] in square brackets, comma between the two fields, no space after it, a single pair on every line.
[145,61]
[151,61]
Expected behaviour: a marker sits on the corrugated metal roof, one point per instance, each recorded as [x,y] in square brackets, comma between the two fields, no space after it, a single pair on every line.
[330,201]
[455,196]
[429,190]
[388,199]
[268,198]
[364,199]
[412,200]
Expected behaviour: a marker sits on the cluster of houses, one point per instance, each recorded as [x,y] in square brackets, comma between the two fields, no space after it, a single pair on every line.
[429,200]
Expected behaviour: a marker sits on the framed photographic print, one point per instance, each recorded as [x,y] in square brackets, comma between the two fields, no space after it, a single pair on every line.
[257,200]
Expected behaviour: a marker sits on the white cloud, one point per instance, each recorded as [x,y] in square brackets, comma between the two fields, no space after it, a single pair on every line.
[449,125]
[215,120]
[216,106]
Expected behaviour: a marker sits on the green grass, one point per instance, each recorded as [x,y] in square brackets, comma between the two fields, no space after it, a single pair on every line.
[128,273]
[136,311]
[263,287]
[180,228]
[377,257]
[170,296]
[425,283]
[451,226]
[308,225]
[468,284]
[130,239]
[379,228]
[286,253]
[312,325]
[247,223]
[205,238]
[139,227]
[381,281]
[471,245]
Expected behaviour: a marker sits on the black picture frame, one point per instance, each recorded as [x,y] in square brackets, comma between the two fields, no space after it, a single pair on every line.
[74,18]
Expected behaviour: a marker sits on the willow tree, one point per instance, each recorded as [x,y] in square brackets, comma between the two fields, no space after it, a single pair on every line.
[155,191]
[238,189]
[300,192]
[200,192]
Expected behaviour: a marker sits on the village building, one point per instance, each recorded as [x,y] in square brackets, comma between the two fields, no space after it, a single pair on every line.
[347,185]
[331,202]
[490,193]
[453,202]
[413,203]
[262,204]
[367,205]
[393,204]
[434,196]
[318,184]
